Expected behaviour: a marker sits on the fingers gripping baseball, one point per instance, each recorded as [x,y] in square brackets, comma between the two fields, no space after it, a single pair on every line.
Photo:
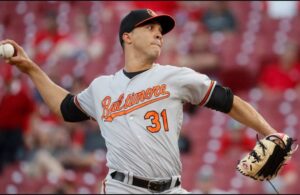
[19,58]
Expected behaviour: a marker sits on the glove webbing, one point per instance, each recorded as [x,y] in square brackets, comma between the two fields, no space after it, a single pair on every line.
[275,161]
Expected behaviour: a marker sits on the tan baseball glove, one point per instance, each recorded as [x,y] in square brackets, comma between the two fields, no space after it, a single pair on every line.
[267,157]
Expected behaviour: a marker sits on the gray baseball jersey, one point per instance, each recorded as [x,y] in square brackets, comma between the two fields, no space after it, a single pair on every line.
[141,118]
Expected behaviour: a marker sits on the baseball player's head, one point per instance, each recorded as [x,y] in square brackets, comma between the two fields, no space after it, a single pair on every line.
[133,28]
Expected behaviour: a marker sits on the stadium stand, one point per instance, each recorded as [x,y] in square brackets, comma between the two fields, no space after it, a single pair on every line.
[241,56]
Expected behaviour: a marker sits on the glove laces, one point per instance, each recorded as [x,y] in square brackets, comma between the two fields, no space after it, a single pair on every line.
[273,186]
[254,153]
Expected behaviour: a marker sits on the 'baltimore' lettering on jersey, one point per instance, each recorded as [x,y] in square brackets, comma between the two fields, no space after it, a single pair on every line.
[132,102]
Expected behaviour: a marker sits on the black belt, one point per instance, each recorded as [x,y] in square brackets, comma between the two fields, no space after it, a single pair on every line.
[157,186]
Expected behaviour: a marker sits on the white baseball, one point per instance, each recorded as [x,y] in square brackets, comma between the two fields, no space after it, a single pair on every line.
[6,50]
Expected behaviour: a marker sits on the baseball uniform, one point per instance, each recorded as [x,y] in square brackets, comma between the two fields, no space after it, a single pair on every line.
[141,118]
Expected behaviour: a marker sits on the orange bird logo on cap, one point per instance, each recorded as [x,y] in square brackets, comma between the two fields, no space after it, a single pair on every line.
[151,12]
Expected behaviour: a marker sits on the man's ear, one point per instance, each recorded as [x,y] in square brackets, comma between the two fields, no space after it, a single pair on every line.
[126,38]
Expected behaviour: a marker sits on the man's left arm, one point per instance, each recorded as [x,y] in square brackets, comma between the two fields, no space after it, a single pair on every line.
[246,114]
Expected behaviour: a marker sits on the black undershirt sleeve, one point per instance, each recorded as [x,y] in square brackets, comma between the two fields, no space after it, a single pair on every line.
[221,99]
[70,112]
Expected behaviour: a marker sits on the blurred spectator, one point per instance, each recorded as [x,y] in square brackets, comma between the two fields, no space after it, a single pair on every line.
[54,147]
[284,72]
[219,18]
[184,143]
[16,108]
[46,38]
[200,56]
[72,154]
[205,182]
[235,140]
[40,142]
[93,138]
[82,42]
[190,11]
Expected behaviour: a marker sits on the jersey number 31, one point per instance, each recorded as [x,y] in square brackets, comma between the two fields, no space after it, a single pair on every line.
[155,120]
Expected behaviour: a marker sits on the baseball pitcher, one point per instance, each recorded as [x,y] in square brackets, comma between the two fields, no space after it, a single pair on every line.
[140,108]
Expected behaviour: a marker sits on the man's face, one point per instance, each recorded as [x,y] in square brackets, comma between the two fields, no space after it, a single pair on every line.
[148,39]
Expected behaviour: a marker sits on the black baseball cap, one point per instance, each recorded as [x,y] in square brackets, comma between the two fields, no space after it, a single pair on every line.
[139,17]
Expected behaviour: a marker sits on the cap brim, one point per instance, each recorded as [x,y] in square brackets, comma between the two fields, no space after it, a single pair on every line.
[167,22]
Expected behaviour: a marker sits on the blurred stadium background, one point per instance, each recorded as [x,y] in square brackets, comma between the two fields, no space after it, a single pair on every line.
[239,44]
